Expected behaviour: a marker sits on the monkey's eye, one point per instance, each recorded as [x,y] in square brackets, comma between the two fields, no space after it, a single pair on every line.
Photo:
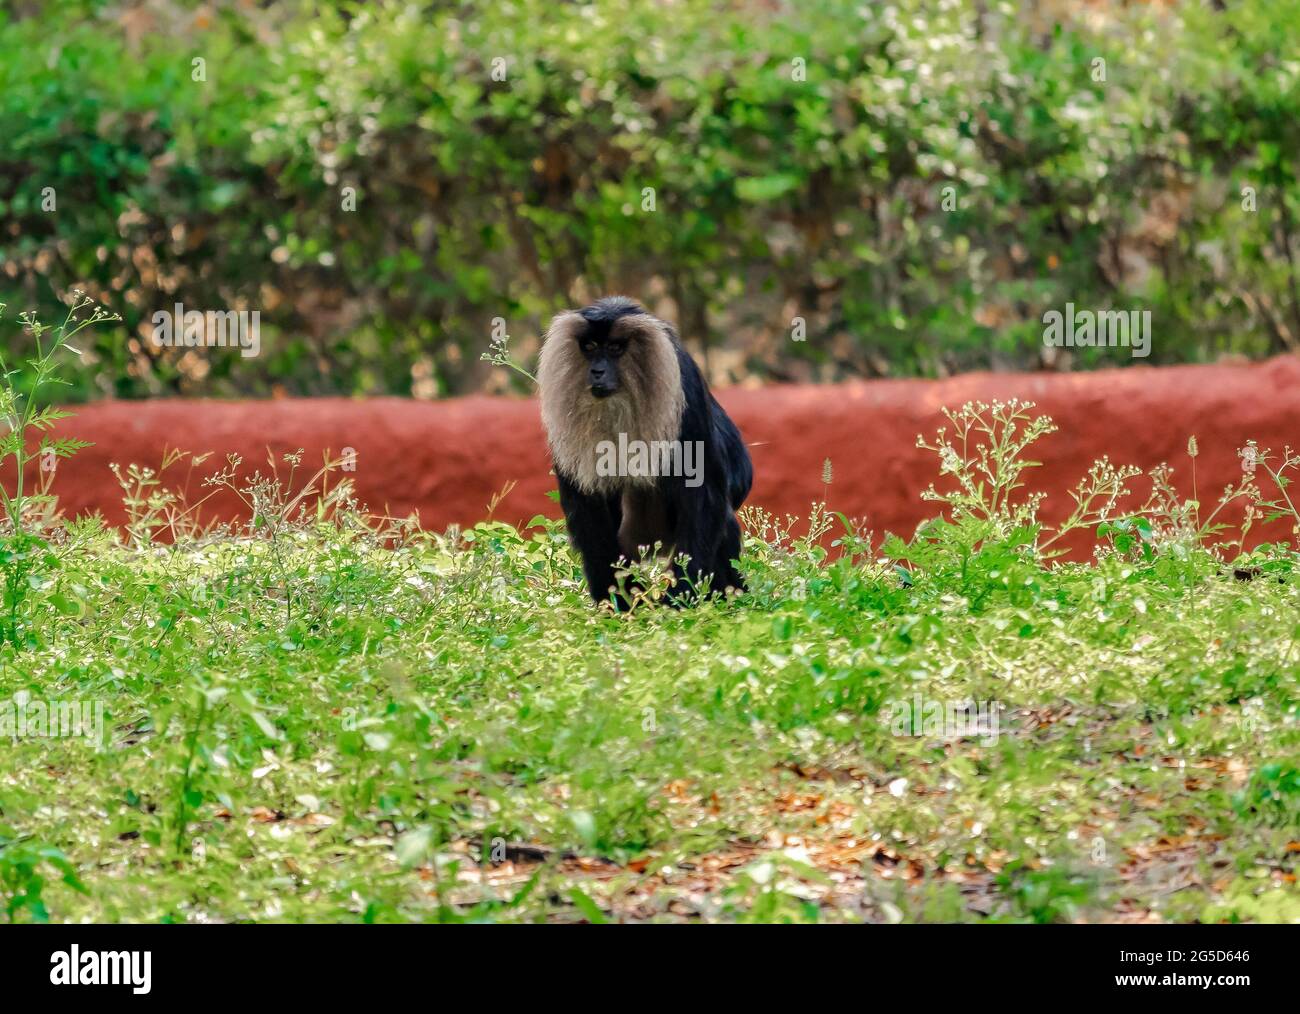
[618,348]
[588,346]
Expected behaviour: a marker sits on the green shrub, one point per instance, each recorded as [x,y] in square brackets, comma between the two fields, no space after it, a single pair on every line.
[774,197]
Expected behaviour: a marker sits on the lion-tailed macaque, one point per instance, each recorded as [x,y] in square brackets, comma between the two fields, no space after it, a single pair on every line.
[643,452]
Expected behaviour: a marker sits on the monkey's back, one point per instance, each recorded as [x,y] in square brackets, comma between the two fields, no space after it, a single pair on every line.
[740,469]
[723,436]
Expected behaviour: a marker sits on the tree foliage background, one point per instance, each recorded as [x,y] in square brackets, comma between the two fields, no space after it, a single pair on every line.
[797,152]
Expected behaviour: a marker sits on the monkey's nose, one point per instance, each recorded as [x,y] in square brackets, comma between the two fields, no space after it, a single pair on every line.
[601,382]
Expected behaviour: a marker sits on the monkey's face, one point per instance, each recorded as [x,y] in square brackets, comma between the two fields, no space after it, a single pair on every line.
[602,353]
[606,370]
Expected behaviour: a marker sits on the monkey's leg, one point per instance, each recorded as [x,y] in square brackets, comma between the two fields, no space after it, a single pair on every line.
[593,529]
[701,516]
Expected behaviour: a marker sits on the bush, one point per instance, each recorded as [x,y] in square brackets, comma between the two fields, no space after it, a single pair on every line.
[798,159]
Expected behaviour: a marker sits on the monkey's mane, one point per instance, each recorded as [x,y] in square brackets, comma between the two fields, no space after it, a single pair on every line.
[648,405]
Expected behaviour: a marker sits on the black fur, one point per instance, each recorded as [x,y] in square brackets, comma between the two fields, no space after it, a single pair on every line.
[700,521]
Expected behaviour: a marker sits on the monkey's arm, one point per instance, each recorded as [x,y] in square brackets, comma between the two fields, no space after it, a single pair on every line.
[593,530]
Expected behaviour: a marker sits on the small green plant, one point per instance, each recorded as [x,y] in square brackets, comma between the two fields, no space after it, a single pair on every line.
[23,866]
[1049,894]
[498,354]
[1273,794]
[991,540]
[1128,535]
[18,397]
[778,889]
[1280,504]
[24,556]
[984,455]
[192,757]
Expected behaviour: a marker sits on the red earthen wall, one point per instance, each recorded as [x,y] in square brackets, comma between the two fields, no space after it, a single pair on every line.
[447,459]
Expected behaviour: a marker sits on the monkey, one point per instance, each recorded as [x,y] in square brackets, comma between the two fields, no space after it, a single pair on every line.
[614,377]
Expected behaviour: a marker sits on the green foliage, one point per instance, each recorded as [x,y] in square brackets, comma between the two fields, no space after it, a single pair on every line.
[24,867]
[321,715]
[1273,794]
[312,717]
[25,557]
[814,190]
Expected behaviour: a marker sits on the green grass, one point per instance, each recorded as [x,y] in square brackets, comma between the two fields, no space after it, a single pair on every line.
[307,720]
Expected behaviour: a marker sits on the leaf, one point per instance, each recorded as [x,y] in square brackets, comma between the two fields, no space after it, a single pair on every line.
[413,847]
[263,723]
[765,188]
[47,417]
[585,824]
[588,907]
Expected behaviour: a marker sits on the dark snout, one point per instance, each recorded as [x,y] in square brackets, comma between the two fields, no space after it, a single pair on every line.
[603,379]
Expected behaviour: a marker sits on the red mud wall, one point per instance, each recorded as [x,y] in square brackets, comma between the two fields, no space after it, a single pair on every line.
[447,459]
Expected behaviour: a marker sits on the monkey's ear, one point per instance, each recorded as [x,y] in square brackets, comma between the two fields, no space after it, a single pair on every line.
[566,325]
